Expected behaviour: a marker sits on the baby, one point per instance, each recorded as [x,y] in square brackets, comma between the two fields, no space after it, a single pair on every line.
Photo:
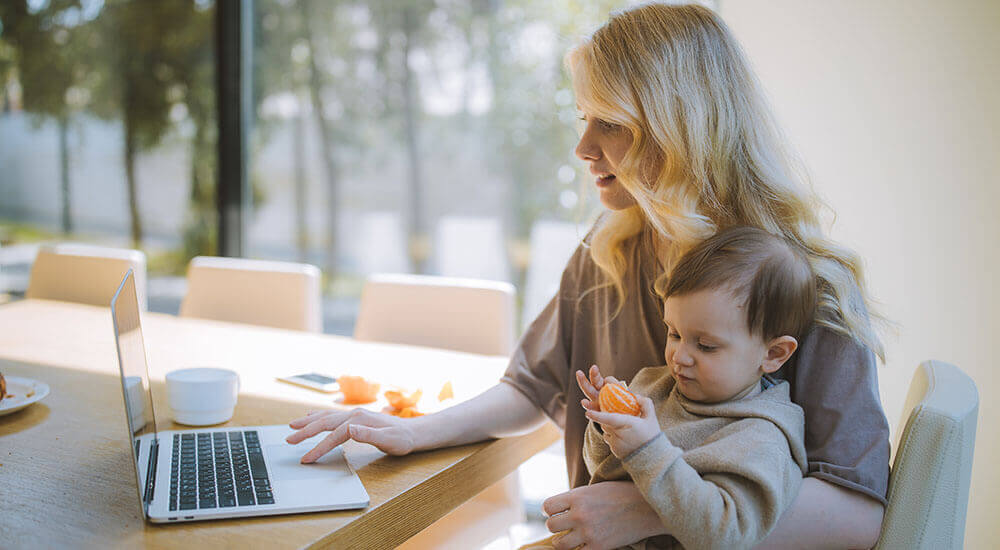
[717,449]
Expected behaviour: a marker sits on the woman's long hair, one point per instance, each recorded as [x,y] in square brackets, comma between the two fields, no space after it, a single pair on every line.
[678,80]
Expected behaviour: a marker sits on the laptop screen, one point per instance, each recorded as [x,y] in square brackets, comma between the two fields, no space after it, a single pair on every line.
[134,375]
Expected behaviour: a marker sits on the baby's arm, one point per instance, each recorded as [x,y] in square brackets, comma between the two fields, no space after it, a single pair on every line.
[625,433]
[753,480]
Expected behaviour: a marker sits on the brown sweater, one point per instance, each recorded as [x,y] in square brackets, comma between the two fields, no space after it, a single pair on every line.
[831,377]
[719,475]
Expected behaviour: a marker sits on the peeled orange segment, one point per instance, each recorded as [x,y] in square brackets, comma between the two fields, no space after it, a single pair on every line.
[357,390]
[410,412]
[616,398]
[400,400]
[446,392]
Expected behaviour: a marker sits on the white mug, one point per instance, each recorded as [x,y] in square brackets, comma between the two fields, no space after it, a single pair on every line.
[202,396]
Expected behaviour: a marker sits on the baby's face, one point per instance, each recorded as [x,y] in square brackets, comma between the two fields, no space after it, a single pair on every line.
[710,350]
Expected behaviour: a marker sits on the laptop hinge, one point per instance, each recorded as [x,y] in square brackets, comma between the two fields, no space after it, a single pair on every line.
[154,452]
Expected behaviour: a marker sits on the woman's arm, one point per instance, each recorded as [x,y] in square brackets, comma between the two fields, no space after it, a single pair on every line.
[498,412]
[825,515]
[614,513]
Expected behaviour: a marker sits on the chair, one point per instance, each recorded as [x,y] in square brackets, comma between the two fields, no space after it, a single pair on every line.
[84,274]
[468,315]
[929,484]
[271,294]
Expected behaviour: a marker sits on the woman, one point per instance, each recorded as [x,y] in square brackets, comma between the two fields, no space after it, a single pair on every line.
[682,145]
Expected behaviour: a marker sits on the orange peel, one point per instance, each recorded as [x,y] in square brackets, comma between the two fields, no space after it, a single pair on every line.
[400,401]
[357,390]
[446,392]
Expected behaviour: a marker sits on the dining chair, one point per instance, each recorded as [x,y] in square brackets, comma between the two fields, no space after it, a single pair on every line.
[256,292]
[470,315]
[85,274]
[929,484]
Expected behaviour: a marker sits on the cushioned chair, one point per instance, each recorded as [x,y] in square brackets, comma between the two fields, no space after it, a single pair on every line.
[470,315]
[929,484]
[272,294]
[84,274]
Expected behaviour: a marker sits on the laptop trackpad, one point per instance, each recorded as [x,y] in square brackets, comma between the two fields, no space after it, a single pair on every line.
[283,463]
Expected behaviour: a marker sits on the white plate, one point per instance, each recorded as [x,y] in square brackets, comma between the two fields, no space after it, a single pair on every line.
[19,388]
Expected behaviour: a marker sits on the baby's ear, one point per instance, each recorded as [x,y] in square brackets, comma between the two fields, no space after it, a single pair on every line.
[778,351]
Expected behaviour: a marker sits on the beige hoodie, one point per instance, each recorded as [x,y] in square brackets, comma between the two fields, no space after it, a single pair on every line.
[719,475]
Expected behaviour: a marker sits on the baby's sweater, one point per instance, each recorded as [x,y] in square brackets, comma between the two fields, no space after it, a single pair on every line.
[719,475]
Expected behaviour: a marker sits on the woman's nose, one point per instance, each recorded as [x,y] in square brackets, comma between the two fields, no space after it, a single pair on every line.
[586,149]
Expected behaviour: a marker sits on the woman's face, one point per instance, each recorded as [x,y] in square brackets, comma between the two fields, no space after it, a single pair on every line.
[603,145]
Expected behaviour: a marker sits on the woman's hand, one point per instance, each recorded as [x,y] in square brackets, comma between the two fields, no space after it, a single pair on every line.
[625,433]
[500,411]
[389,434]
[610,514]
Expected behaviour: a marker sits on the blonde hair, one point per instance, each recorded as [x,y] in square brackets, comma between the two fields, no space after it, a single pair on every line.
[676,78]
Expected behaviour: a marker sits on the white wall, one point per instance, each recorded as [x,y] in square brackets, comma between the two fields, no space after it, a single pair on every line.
[895,107]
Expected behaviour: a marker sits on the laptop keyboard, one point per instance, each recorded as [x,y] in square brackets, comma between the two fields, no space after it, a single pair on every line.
[218,470]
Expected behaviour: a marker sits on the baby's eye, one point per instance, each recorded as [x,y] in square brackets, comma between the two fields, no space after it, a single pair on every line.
[673,336]
[706,347]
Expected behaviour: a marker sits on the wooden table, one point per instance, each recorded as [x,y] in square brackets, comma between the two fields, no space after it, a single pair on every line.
[65,480]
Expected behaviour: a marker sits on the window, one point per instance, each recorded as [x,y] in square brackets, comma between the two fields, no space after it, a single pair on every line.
[107,130]
[430,136]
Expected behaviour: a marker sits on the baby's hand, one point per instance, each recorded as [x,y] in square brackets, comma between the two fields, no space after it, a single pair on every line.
[591,388]
[625,433]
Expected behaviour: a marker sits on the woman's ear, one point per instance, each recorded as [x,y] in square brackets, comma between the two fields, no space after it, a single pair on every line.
[778,351]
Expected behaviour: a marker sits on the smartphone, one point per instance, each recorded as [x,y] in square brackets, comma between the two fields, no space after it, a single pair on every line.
[313,381]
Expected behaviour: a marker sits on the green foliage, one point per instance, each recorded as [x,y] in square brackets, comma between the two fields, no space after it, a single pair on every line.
[349,64]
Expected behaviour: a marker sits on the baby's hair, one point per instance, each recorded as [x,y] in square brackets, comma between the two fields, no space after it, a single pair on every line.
[769,275]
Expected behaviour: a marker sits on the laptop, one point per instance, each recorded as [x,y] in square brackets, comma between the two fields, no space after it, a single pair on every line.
[215,473]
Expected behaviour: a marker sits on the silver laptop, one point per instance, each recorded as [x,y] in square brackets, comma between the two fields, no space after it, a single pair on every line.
[217,473]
